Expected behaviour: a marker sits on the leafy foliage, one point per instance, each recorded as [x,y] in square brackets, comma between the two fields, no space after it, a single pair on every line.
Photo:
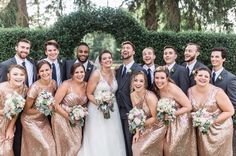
[70,30]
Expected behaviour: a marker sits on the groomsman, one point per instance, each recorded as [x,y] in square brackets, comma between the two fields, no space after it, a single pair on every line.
[52,51]
[149,59]
[123,76]
[177,72]
[22,51]
[191,53]
[82,54]
[224,79]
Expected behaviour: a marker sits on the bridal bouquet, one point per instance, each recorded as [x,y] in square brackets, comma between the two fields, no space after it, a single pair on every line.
[77,115]
[203,120]
[166,107]
[44,102]
[105,101]
[136,120]
[13,105]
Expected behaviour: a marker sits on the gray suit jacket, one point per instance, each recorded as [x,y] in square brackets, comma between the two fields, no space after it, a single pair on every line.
[123,92]
[6,64]
[180,75]
[191,77]
[68,65]
[227,81]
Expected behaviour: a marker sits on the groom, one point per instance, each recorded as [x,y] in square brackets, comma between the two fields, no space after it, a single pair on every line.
[123,76]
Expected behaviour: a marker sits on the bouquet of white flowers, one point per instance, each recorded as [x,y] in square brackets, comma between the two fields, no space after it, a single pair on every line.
[44,102]
[105,101]
[203,120]
[77,115]
[13,105]
[136,120]
[166,107]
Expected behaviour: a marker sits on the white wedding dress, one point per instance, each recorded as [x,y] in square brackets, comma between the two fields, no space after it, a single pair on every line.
[103,137]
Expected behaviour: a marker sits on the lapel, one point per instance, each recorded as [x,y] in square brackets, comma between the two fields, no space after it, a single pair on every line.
[34,69]
[89,70]
[127,77]
[221,77]
[173,69]
[61,69]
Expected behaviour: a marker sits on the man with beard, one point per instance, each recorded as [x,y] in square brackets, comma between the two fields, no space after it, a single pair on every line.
[52,52]
[22,51]
[224,79]
[177,72]
[123,76]
[149,59]
[191,63]
[82,54]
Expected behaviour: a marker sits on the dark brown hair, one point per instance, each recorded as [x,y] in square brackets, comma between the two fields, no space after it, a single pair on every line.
[103,52]
[128,42]
[74,67]
[23,40]
[195,44]
[51,42]
[171,47]
[222,50]
[133,77]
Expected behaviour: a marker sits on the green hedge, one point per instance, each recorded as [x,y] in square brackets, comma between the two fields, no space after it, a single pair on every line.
[70,30]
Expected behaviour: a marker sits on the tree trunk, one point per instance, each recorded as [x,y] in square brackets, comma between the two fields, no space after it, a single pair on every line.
[172,11]
[150,16]
[22,18]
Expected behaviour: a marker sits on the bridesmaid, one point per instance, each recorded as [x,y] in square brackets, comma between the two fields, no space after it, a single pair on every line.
[37,138]
[70,93]
[16,83]
[218,140]
[150,141]
[180,139]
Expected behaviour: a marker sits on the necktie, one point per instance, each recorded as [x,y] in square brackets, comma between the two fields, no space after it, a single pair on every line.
[26,81]
[124,71]
[149,77]
[54,72]
[213,77]
[188,70]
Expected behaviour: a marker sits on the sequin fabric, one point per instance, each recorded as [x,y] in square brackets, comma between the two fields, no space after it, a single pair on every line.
[37,137]
[67,138]
[218,140]
[6,148]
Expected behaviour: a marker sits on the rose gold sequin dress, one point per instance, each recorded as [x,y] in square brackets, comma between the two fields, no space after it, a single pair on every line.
[180,138]
[6,148]
[218,140]
[67,138]
[37,138]
[151,139]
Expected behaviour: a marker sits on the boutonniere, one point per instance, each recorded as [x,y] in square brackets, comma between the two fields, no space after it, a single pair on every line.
[220,78]
[89,68]
[129,71]
[172,70]
[193,72]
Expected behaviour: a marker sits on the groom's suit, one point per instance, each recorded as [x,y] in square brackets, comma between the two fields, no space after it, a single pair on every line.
[124,101]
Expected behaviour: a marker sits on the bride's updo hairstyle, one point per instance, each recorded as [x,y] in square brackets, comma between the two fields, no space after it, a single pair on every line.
[103,52]
[133,77]
[165,70]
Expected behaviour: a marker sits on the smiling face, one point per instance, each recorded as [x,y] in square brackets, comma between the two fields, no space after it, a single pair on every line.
[202,78]
[216,59]
[148,56]
[82,53]
[127,51]
[106,60]
[45,72]
[78,74]
[160,79]
[17,77]
[169,56]
[22,49]
[191,53]
[139,83]
[51,52]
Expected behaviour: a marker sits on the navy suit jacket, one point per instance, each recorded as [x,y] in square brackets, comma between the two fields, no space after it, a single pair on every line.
[68,65]
[180,75]
[6,64]
[191,76]
[227,81]
[123,92]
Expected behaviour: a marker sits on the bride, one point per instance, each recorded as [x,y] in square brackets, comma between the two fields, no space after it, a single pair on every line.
[102,136]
